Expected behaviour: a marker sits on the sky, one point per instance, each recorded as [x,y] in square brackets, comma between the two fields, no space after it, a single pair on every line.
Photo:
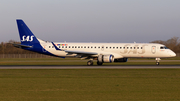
[119,21]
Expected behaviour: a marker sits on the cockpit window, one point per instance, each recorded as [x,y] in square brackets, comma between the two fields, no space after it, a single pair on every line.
[163,47]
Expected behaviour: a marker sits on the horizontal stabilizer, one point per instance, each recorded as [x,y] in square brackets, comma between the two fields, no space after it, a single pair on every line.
[21,46]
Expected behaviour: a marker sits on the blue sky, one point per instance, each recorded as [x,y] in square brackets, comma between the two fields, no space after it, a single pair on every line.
[92,20]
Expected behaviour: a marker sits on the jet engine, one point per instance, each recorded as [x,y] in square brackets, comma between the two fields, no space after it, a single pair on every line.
[105,58]
[121,60]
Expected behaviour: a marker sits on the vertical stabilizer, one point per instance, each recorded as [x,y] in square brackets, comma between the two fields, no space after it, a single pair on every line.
[26,36]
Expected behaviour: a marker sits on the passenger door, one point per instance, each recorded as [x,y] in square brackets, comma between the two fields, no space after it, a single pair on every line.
[153,49]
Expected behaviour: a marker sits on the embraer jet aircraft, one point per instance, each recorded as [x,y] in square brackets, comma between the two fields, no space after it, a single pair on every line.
[102,52]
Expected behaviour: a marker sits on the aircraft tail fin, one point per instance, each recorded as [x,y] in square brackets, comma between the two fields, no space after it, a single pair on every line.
[26,36]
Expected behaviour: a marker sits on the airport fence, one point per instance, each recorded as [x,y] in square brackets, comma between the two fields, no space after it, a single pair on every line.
[36,56]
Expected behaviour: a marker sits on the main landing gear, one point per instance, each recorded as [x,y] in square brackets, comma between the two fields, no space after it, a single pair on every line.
[99,63]
[157,61]
[90,63]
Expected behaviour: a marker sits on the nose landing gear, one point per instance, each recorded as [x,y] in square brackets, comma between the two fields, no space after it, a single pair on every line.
[157,61]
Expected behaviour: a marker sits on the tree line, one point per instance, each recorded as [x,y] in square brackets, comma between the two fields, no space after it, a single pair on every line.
[173,44]
[8,48]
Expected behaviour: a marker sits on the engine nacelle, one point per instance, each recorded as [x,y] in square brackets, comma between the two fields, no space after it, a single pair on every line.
[121,60]
[106,58]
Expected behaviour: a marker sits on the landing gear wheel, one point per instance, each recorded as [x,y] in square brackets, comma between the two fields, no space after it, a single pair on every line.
[99,63]
[90,63]
[157,63]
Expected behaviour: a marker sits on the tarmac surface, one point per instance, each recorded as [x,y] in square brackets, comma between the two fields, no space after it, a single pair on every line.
[93,67]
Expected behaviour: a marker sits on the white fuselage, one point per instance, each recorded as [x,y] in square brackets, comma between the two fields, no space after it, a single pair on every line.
[118,50]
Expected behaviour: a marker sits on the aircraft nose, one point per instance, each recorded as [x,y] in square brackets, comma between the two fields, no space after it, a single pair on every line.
[172,54]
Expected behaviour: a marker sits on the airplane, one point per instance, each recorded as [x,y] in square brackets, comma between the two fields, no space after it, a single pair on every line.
[102,52]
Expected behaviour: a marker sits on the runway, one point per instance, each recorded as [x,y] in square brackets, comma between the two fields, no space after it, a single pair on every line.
[92,67]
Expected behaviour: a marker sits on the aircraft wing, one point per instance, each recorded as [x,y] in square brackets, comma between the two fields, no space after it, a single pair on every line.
[82,53]
[56,47]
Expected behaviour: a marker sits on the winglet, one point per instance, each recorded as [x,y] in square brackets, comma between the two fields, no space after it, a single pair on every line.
[56,47]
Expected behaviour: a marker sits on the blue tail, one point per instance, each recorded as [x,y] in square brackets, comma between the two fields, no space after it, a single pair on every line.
[29,41]
[26,36]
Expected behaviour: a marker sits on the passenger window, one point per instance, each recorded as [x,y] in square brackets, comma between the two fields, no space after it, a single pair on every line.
[110,47]
[113,47]
[81,46]
[52,46]
[137,47]
[127,47]
[75,47]
[106,47]
[98,47]
[95,47]
[69,46]
[120,47]
[124,47]
[117,47]
[91,46]
[131,47]
[72,46]
[78,46]
[49,46]
[84,46]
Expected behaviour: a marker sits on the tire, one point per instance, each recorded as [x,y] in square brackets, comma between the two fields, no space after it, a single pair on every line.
[99,63]
[90,63]
[157,63]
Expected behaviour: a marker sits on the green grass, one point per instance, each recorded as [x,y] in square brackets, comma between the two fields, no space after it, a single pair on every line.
[90,85]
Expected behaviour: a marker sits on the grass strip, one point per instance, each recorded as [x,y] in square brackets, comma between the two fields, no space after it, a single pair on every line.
[90,85]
